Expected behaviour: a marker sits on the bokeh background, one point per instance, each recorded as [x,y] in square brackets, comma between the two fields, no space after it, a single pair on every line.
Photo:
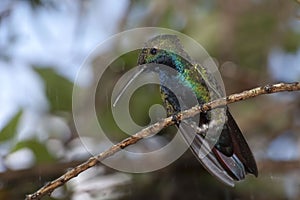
[43,44]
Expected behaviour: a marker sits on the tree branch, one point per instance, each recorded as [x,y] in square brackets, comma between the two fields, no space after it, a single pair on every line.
[155,128]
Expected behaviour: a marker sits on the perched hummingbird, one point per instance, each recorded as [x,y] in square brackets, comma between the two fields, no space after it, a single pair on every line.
[230,158]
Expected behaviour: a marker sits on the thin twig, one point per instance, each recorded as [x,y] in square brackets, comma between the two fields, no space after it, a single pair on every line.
[155,128]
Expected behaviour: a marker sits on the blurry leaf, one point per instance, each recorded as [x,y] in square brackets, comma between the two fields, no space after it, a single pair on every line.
[58,89]
[9,131]
[40,151]
[253,38]
[291,41]
[35,3]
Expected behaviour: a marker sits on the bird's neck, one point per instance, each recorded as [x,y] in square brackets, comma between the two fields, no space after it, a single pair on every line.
[188,76]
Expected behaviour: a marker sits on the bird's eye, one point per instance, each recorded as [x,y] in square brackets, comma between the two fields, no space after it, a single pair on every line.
[153,51]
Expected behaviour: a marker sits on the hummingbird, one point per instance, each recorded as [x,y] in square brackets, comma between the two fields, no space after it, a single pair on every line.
[230,158]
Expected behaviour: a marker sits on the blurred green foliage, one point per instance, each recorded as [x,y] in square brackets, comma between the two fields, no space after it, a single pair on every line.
[253,38]
[58,89]
[10,130]
[40,151]
[291,42]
